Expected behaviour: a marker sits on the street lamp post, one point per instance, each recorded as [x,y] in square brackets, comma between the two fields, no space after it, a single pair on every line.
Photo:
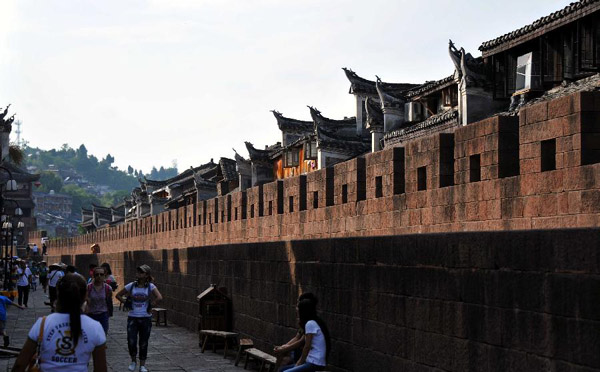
[11,185]
[6,225]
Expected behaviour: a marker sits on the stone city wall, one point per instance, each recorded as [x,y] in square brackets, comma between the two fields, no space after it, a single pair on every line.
[539,170]
[478,301]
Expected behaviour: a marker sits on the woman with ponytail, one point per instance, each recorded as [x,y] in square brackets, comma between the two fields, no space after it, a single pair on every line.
[316,340]
[68,337]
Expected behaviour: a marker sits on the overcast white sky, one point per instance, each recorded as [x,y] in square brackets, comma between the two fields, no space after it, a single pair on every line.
[157,80]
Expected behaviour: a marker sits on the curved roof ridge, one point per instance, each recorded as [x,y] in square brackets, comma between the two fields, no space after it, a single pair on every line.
[553,18]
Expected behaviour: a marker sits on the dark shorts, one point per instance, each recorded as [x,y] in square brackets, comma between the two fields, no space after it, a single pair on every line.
[2,326]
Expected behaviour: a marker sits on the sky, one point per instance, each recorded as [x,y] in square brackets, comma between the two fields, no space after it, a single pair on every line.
[157,81]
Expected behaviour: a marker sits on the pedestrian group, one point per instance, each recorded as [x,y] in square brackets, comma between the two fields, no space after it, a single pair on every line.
[78,324]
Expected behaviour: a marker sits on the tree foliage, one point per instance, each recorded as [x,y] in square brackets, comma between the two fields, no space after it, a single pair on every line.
[81,198]
[99,172]
[50,181]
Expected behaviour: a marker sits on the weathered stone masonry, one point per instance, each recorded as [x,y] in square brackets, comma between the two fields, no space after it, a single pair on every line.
[483,177]
[483,301]
[381,240]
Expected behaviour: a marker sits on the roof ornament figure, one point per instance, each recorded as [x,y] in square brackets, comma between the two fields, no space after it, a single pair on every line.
[468,70]
[6,124]
[387,100]
[3,114]
[374,115]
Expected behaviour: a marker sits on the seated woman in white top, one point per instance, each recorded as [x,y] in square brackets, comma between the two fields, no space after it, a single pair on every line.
[69,337]
[316,340]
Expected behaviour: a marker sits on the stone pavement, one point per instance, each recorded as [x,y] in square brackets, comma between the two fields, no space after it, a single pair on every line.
[171,348]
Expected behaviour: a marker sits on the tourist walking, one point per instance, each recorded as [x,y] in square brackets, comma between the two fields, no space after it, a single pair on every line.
[316,340]
[23,282]
[35,271]
[67,338]
[56,272]
[143,295]
[109,278]
[4,303]
[43,275]
[35,250]
[44,249]
[99,299]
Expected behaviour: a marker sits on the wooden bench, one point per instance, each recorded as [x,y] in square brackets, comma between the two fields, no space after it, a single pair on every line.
[9,351]
[243,344]
[158,311]
[226,336]
[266,360]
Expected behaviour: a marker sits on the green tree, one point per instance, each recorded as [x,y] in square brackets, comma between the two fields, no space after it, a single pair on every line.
[81,198]
[114,198]
[50,181]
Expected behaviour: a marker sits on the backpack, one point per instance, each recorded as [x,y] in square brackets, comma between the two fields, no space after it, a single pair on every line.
[108,297]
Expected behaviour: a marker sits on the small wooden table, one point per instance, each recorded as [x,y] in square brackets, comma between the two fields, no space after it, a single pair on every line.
[226,336]
[265,359]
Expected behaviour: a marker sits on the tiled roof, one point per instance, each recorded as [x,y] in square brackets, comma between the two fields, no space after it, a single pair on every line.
[567,14]
[292,125]
[322,121]
[188,173]
[362,85]
[262,155]
[155,183]
[100,208]
[87,223]
[350,146]
[339,135]
[431,86]
[399,135]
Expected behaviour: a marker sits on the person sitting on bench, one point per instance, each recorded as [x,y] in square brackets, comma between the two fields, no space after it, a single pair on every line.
[296,344]
[316,340]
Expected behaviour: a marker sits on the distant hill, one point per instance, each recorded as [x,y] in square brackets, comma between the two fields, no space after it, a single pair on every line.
[84,177]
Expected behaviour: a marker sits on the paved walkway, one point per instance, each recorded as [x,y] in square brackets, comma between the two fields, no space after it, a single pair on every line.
[171,348]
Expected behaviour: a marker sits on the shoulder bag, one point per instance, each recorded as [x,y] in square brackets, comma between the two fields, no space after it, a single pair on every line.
[34,365]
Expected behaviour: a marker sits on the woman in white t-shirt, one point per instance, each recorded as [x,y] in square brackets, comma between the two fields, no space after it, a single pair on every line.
[56,273]
[69,338]
[144,295]
[316,340]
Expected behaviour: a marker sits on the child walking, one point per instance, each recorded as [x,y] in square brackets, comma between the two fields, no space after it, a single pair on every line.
[4,302]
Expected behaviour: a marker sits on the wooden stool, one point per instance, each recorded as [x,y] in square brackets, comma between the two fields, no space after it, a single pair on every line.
[158,311]
[243,344]
[207,333]
[266,360]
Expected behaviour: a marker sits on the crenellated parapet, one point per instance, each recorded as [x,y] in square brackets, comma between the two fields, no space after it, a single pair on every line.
[534,170]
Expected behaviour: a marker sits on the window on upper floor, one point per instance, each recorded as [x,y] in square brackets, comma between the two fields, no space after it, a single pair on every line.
[524,64]
[310,150]
[292,157]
